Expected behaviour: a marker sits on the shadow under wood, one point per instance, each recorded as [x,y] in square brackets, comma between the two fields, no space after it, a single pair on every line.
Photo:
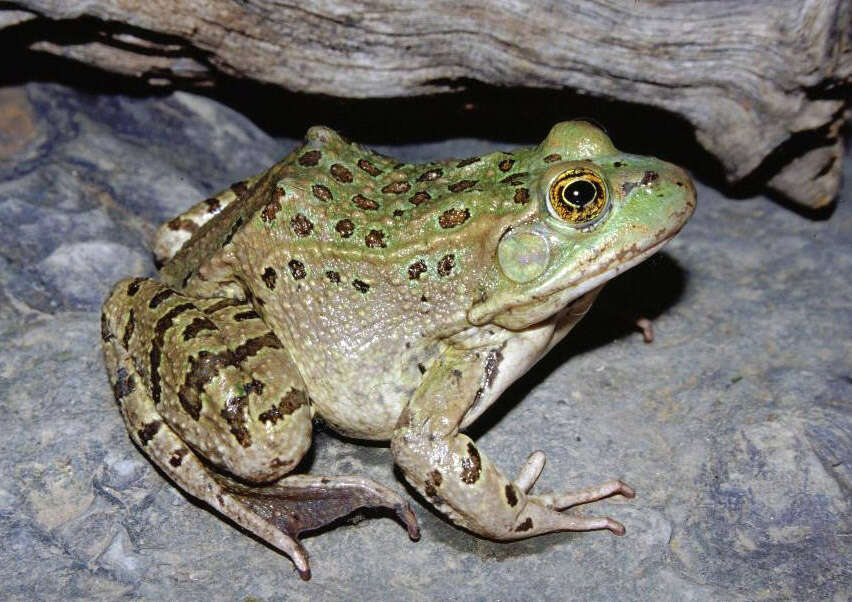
[515,116]
[521,116]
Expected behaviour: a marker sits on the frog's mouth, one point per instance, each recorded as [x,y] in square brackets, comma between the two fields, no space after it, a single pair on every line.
[541,305]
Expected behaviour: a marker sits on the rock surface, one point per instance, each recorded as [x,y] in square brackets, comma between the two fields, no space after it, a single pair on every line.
[734,426]
[764,83]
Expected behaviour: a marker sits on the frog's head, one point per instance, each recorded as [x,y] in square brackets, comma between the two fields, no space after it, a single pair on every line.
[596,213]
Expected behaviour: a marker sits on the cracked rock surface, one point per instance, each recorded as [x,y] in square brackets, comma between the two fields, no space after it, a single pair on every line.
[733,425]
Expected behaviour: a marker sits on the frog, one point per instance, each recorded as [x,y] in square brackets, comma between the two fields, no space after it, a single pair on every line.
[393,301]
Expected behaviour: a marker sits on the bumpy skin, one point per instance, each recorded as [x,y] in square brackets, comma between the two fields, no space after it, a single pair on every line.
[397,301]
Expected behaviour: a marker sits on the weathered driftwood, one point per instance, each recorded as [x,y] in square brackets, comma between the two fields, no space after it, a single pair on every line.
[765,83]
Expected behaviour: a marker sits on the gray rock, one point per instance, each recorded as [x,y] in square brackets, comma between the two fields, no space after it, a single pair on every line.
[733,426]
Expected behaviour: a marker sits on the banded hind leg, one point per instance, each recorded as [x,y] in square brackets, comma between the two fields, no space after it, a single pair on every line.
[172,235]
[211,396]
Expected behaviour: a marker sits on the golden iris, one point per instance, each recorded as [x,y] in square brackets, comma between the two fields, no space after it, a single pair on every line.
[578,196]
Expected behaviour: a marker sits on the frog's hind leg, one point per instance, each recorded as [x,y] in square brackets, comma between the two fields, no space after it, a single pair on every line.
[172,235]
[452,473]
[189,374]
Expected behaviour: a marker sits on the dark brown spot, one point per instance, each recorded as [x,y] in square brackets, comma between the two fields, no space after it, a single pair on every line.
[415,269]
[471,466]
[419,197]
[322,193]
[201,371]
[246,315]
[345,228]
[422,368]
[198,324]
[364,203]
[124,384]
[297,268]
[628,187]
[446,265]
[301,225]
[292,401]
[252,346]
[222,304]
[253,386]
[432,174]
[340,173]
[524,526]
[233,230]
[369,167]
[375,238]
[398,212]
[453,217]
[511,496]
[270,211]
[234,414]
[515,179]
[240,188]
[176,459]
[213,205]
[154,361]
[492,363]
[133,287]
[430,491]
[436,477]
[505,164]
[333,276]
[649,177]
[180,223]
[468,161]
[310,158]
[423,299]
[106,333]
[167,321]
[461,185]
[397,188]
[128,329]
[148,431]
[279,463]
[360,285]
[160,297]
[617,164]
[552,158]
[522,196]
[269,277]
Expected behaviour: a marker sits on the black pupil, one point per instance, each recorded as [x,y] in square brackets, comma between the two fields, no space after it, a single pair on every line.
[579,193]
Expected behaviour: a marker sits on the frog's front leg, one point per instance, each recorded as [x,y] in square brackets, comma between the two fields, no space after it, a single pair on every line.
[452,473]
[213,398]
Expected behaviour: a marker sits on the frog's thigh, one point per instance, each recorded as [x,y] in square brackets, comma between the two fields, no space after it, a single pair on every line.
[215,374]
[172,235]
[167,450]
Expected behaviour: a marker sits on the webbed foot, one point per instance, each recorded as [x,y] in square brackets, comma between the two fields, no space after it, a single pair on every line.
[543,511]
[301,503]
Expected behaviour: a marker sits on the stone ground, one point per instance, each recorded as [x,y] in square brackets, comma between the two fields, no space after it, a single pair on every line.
[734,426]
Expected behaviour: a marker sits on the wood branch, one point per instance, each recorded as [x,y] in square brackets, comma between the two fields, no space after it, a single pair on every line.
[765,83]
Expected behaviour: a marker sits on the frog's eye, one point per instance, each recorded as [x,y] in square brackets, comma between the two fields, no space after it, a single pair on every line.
[578,197]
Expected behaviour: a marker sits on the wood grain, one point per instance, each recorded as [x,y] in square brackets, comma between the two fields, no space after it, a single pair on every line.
[765,83]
